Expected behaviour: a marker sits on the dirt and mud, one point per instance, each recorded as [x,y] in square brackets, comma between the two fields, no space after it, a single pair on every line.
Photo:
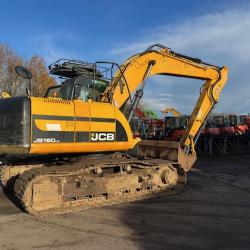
[213,212]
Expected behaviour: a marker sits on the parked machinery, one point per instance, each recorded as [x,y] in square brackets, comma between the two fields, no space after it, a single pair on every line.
[223,123]
[171,110]
[239,124]
[245,119]
[175,127]
[211,128]
[150,127]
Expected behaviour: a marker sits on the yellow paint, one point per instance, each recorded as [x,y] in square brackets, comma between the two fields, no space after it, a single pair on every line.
[82,126]
[103,127]
[171,110]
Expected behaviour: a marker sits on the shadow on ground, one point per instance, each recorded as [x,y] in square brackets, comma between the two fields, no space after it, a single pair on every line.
[213,212]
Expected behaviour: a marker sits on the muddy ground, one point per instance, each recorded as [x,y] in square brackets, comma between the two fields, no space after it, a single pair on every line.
[213,212]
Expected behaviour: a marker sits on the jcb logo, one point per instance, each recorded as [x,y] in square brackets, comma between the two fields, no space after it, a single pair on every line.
[102,137]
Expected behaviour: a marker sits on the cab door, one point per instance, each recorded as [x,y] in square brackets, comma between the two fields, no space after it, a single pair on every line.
[82,121]
[82,114]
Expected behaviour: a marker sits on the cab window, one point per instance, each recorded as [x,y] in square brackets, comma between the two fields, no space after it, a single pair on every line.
[79,87]
[83,93]
[87,88]
[63,91]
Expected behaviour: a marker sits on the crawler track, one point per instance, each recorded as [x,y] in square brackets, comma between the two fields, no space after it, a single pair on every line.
[53,190]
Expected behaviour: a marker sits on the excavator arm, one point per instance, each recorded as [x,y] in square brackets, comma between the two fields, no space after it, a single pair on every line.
[160,60]
[171,110]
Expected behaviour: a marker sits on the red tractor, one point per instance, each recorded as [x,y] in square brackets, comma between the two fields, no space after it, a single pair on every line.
[224,125]
[239,123]
[211,128]
[245,119]
[175,127]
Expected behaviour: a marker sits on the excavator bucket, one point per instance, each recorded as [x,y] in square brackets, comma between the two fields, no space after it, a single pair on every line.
[168,150]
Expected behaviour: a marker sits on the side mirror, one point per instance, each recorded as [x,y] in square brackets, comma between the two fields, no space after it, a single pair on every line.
[26,74]
[23,72]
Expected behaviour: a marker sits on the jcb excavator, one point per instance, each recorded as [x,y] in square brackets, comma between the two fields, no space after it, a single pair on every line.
[171,110]
[59,153]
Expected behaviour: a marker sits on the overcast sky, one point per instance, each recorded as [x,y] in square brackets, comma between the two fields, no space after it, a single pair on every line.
[215,31]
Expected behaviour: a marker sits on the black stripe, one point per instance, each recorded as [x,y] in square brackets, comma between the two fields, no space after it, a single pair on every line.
[81,136]
[95,119]
[82,119]
[54,117]
[72,118]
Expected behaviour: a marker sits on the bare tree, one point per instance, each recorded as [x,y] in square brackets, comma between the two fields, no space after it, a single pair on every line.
[15,85]
[41,79]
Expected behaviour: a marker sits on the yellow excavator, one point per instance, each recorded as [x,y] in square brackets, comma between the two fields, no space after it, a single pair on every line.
[171,110]
[67,151]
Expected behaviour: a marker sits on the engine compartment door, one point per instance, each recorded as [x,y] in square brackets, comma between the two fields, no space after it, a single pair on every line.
[52,120]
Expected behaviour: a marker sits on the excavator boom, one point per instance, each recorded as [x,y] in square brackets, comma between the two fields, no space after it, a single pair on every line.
[163,61]
[171,110]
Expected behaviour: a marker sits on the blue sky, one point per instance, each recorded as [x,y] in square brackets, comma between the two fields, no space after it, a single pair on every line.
[216,31]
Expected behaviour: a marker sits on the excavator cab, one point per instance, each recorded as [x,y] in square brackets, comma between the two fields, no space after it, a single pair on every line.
[234,120]
[245,119]
[212,128]
[175,127]
[239,124]
[79,87]
[83,81]
[224,125]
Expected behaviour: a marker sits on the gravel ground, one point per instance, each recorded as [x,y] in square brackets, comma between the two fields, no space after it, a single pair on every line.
[213,212]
